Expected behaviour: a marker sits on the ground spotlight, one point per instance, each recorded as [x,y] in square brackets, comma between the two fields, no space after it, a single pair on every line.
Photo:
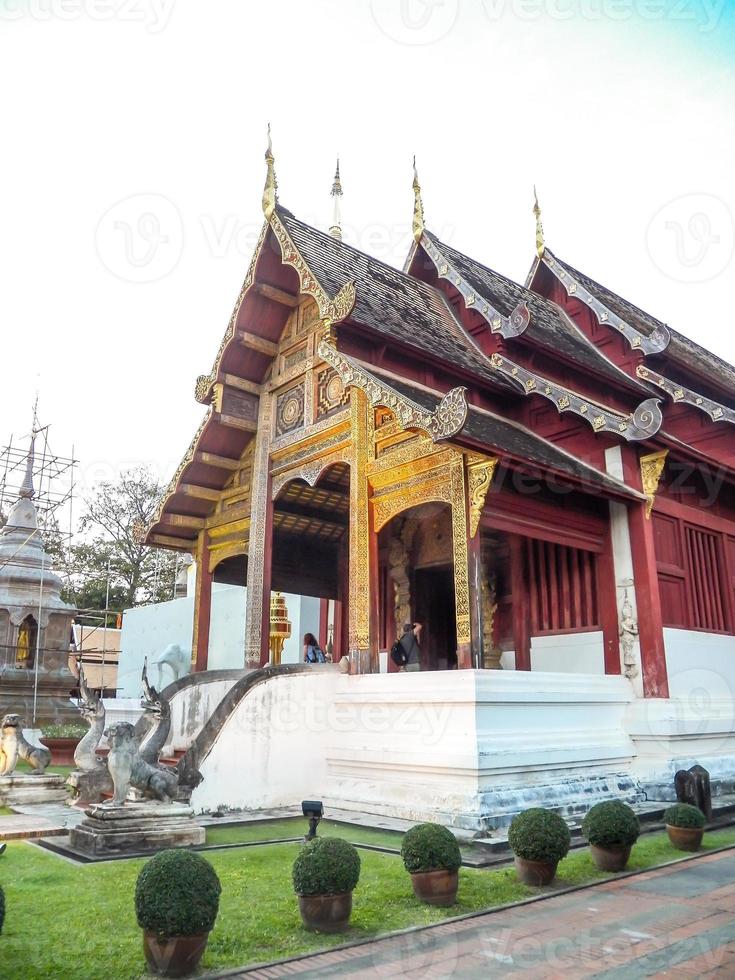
[314,810]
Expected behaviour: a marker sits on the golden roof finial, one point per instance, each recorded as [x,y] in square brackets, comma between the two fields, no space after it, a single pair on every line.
[540,245]
[335,229]
[270,191]
[418,207]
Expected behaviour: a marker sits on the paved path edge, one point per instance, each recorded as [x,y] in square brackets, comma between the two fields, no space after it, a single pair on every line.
[301,957]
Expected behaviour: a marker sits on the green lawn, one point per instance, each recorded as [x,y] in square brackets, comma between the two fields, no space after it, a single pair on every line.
[23,768]
[87,921]
[297,827]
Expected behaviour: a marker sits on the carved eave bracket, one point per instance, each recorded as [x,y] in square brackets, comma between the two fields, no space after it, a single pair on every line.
[652,466]
[717,412]
[641,424]
[652,343]
[480,473]
[506,326]
[204,388]
[444,422]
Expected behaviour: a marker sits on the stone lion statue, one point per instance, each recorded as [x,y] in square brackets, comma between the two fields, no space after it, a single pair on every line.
[13,746]
[128,769]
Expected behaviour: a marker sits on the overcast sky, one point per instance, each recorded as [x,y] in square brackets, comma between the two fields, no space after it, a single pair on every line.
[133,139]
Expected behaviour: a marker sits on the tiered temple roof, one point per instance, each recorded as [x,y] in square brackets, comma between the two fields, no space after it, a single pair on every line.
[446,331]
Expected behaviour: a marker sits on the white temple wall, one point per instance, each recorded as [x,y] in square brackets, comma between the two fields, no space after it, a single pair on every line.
[700,665]
[455,746]
[272,749]
[569,653]
[148,630]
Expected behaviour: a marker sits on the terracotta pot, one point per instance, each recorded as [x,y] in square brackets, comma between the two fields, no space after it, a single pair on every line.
[435,887]
[685,838]
[326,913]
[536,873]
[61,749]
[613,858]
[175,956]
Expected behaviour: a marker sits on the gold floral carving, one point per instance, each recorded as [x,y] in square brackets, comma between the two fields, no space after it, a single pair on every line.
[309,472]
[359,559]
[444,422]
[258,521]
[652,466]
[342,305]
[479,477]
[424,490]
[458,501]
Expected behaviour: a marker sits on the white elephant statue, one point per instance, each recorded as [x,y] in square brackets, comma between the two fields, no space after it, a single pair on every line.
[178,660]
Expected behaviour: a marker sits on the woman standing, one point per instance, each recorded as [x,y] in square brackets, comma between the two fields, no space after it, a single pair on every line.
[313,653]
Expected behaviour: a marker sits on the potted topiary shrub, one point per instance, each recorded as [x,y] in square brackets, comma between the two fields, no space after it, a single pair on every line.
[325,873]
[611,828]
[539,839]
[176,901]
[431,855]
[685,826]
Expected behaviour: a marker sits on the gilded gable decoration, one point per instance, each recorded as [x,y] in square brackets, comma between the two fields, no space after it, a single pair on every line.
[443,423]
[417,225]
[506,326]
[653,343]
[641,424]
[678,393]
[540,245]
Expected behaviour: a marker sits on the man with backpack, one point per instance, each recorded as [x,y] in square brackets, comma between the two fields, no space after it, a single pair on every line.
[406,652]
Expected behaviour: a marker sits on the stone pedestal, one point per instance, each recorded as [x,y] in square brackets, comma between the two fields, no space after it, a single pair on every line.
[89,787]
[135,828]
[16,790]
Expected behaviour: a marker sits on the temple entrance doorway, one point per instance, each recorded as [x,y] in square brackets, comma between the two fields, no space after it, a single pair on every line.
[435,610]
[310,552]
[417,582]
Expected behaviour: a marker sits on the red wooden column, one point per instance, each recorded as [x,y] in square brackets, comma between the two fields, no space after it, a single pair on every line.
[648,599]
[607,598]
[202,607]
[521,605]
[323,623]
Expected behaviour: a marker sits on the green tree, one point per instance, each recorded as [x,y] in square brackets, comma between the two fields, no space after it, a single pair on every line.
[111,544]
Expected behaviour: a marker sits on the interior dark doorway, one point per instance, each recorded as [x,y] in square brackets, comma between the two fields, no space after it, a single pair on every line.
[435,610]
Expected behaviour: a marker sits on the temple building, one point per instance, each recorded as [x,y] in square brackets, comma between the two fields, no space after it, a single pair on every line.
[540,474]
[35,622]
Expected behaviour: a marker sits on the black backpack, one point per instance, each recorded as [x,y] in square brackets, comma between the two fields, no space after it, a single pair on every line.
[398,654]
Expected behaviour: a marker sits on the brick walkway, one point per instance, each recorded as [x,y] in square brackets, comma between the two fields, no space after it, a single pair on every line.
[677,922]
